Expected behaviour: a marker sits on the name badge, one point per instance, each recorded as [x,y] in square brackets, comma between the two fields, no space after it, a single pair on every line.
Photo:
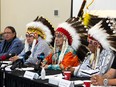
[31,75]
[65,83]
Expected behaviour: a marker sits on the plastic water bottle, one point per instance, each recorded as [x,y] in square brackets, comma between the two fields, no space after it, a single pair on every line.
[43,73]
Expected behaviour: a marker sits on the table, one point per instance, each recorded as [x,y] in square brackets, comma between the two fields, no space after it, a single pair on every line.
[16,79]
[1,78]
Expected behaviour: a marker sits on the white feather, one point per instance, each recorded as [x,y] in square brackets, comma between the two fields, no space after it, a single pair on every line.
[44,28]
[75,36]
[99,34]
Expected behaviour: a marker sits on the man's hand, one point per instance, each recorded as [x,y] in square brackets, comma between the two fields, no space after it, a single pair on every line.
[97,80]
[44,65]
[14,58]
[70,69]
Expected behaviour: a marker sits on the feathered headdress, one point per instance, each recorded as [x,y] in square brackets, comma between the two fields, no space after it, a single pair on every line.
[90,20]
[104,33]
[42,27]
[72,29]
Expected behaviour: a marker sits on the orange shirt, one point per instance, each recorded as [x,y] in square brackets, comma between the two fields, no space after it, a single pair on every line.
[69,60]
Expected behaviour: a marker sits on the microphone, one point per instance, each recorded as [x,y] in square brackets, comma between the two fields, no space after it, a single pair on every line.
[20,62]
[7,56]
[40,58]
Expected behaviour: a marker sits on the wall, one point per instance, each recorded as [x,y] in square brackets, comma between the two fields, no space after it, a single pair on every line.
[19,12]
[0,15]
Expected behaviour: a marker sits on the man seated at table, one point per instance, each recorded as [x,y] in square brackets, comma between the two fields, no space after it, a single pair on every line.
[38,35]
[101,44]
[67,41]
[10,43]
[108,79]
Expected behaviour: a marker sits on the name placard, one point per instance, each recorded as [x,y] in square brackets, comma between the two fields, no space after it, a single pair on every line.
[65,83]
[31,75]
[54,80]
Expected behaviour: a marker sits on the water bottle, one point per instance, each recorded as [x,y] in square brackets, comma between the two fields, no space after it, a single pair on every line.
[43,73]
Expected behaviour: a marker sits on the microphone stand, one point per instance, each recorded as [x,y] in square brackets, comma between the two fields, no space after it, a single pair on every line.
[21,64]
[38,68]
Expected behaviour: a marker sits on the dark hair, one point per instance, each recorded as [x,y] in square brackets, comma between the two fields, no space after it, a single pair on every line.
[12,29]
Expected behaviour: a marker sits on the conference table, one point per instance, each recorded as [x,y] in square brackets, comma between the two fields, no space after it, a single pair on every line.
[1,78]
[16,79]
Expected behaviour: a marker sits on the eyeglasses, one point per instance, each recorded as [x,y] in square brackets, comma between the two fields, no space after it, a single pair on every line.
[58,35]
[29,35]
[7,33]
[93,42]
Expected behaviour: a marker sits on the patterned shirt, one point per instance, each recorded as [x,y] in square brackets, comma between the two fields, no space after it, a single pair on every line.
[104,63]
[69,59]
